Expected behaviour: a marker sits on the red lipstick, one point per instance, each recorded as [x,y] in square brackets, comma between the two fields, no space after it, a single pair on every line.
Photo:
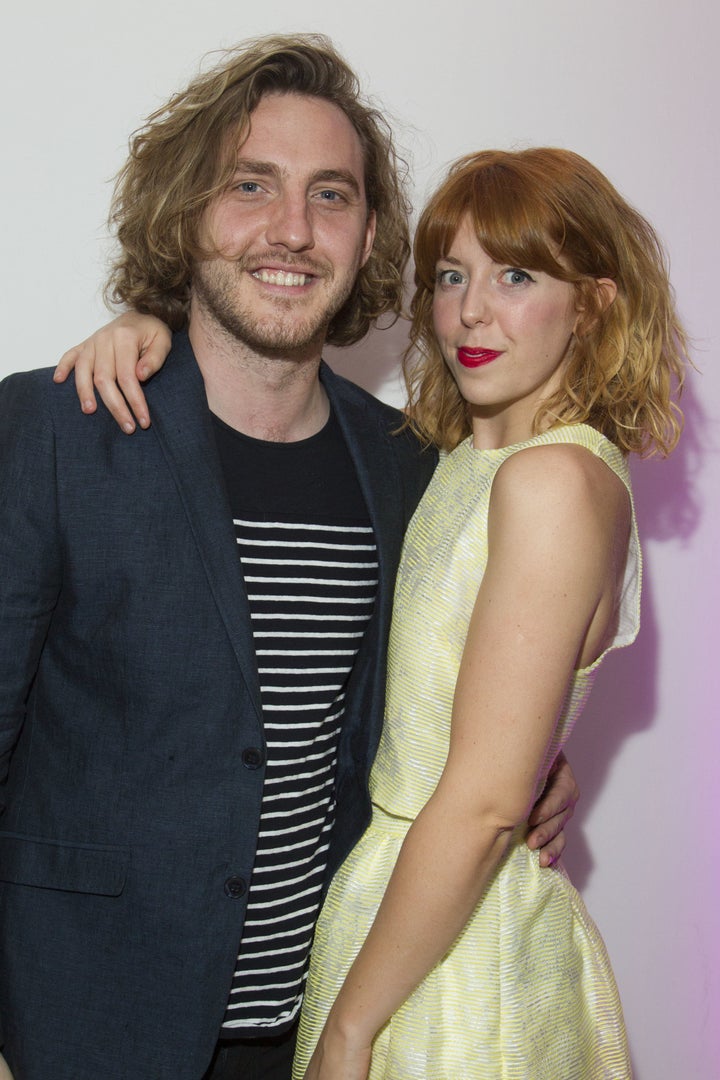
[473,358]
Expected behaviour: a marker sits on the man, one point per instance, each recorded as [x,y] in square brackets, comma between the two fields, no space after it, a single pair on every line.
[185,736]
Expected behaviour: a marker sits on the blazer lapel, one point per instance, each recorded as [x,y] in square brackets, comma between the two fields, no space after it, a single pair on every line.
[378,473]
[183,427]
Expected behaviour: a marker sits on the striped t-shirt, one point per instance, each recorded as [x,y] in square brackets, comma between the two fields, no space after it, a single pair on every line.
[310,566]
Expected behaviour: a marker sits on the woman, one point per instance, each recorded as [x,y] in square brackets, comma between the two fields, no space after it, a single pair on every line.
[548,347]
[548,350]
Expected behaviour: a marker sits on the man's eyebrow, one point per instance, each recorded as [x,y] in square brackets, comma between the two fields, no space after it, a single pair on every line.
[257,168]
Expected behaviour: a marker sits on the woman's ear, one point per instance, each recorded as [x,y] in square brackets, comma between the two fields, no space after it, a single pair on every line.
[595,297]
[607,291]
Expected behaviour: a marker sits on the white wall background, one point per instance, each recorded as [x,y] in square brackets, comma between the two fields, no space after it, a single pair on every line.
[632,85]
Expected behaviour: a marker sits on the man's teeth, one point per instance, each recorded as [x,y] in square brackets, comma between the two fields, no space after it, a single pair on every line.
[280,277]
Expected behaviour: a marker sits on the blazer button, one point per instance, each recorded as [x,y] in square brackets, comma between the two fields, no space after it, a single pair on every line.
[235,887]
[252,757]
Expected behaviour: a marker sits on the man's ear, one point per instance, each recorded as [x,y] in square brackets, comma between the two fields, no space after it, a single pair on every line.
[596,297]
[370,226]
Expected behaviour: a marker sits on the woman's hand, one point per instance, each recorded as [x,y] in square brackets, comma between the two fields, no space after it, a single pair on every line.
[552,812]
[115,360]
[5,1073]
[339,1058]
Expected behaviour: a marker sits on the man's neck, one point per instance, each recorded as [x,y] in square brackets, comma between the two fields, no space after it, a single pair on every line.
[268,396]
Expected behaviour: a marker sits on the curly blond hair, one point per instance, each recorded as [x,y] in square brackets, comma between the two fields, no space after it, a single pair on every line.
[551,210]
[184,156]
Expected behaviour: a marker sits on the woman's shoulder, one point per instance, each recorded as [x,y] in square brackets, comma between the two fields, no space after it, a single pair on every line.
[559,484]
[570,460]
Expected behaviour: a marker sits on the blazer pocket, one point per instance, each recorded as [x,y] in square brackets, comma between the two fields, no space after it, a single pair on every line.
[47,864]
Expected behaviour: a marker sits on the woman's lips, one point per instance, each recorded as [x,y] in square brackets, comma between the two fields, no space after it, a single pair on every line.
[472,358]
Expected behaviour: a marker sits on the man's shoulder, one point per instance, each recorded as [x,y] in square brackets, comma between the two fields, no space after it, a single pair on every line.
[33,379]
[29,389]
[27,421]
[35,392]
[32,398]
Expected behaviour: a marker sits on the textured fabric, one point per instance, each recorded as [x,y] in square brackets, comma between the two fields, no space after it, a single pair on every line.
[526,991]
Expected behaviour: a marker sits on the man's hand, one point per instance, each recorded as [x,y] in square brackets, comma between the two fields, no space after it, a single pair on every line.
[5,1073]
[552,812]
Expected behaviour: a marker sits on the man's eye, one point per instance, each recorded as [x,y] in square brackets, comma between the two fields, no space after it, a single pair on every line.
[248,187]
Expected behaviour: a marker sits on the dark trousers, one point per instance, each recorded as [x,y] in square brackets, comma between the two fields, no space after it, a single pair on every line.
[269,1058]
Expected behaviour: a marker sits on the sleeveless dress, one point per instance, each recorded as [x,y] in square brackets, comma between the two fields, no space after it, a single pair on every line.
[526,992]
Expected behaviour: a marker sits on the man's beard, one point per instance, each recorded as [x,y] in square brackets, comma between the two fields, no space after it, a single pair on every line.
[285,328]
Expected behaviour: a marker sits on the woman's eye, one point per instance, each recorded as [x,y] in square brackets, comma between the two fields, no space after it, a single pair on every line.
[450,277]
[514,276]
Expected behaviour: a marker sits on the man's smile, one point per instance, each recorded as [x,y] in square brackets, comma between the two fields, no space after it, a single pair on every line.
[281,277]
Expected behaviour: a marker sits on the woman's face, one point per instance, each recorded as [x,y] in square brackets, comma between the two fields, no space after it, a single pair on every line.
[505,335]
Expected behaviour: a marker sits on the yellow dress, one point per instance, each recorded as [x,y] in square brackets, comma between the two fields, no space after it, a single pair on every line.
[526,992]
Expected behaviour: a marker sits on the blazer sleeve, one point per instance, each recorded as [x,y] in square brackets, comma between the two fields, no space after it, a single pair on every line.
[30,548]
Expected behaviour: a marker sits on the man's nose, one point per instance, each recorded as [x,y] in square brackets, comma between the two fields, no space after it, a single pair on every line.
[290,223]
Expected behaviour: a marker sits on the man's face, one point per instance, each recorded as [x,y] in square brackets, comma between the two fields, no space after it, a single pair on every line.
[292,229]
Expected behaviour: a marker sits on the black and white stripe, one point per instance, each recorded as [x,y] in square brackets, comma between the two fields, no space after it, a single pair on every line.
[311,589]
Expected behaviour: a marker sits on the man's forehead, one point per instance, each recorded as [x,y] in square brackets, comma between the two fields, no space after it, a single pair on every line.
[289,128]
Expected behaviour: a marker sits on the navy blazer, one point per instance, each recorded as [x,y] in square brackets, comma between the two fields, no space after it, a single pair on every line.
[128,693]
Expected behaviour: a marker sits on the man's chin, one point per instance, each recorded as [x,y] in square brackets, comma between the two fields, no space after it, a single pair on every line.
[285,331]
[280,341]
